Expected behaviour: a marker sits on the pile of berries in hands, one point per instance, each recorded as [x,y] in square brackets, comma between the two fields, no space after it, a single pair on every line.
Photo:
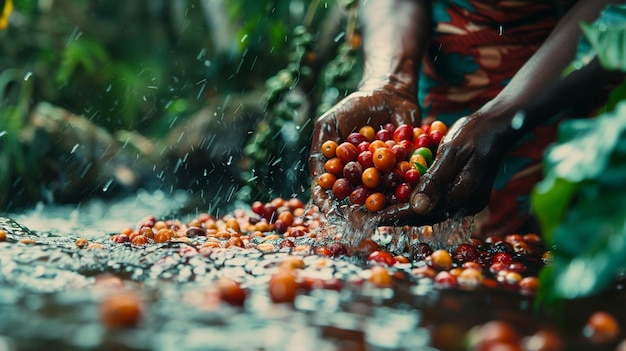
[379,168]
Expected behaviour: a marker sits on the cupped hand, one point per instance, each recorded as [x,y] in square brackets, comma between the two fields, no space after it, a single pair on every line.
[375,108]
[461,176]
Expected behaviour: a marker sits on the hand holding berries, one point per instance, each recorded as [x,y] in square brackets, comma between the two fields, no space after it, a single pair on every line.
[371,167]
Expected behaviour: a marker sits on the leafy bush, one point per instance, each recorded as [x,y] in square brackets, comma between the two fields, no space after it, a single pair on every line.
[581,203]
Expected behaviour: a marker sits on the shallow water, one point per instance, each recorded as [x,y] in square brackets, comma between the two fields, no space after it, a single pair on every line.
[50,293]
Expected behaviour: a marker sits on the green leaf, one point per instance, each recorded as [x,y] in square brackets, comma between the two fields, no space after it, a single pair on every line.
[580,205]
[550,200]
[616,95]
[90,55]
[607,37]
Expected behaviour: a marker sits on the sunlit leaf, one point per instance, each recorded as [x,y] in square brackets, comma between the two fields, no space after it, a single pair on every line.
[617,94]
[607,37]
[550,200]
[86,54]
[581,205]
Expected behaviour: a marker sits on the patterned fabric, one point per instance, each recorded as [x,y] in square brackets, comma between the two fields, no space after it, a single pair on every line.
[476,47]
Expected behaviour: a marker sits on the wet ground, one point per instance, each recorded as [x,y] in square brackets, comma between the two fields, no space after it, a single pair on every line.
[51,293]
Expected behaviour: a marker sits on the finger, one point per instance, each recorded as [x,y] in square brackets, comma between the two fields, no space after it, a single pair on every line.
[469,193]
[398,214]
[429,195]
[320,197]
[403,214]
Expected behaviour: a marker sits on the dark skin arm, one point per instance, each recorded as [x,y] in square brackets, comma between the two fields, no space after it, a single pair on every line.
[388,90]
[470,197]
[462,175]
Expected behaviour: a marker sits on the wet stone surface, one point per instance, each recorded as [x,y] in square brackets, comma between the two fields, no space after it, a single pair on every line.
[57,293]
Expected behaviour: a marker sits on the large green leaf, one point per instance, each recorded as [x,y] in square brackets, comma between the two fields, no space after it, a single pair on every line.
[581,204]
[607,37]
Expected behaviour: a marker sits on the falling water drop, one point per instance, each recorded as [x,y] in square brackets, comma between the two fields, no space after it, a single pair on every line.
[339,36]
[201,54]
[106,186]
[28,75]
[74,148]
[277,161]
[518,120]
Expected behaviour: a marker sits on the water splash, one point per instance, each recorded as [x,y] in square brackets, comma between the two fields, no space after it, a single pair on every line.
[354,224]
[457,229]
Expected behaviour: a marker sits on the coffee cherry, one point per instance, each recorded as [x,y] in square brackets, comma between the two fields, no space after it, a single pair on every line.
[356,138]
[380,277]
[347,152]
[382,257]
[403,132]
[231,291]
[601,327]
[403,192]
[283,287]
[353,171]
[359,195]
[384,134]
[441,259]
[121,310]
[375,202]
[392,178]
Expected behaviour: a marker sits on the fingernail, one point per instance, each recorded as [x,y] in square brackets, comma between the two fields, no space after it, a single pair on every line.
[421,203]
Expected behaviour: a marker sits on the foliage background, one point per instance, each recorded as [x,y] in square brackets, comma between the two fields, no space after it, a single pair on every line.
[147,66]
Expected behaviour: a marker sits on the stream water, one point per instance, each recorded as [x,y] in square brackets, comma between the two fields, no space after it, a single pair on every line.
[51,293]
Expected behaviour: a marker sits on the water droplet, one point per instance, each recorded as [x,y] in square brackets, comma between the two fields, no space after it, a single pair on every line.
[201,91]
[518,120]
[107,185]
[277,161]
[201,54]
[28,75]
[339,36]
[74,148]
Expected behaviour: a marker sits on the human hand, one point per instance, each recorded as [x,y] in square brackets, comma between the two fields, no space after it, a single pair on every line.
[460,179]
[375,108]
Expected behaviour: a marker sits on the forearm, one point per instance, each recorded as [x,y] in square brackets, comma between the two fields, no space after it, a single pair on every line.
[541,71]
[394,38]
[565,93]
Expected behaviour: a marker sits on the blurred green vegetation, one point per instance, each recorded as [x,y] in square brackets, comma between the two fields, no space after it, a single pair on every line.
[580,201]
[146,66]
[134,65]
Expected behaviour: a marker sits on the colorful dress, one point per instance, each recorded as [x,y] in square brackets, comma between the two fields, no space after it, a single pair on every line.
[477,46]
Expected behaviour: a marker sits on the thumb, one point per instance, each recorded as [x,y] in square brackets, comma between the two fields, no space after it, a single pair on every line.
[431,192]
